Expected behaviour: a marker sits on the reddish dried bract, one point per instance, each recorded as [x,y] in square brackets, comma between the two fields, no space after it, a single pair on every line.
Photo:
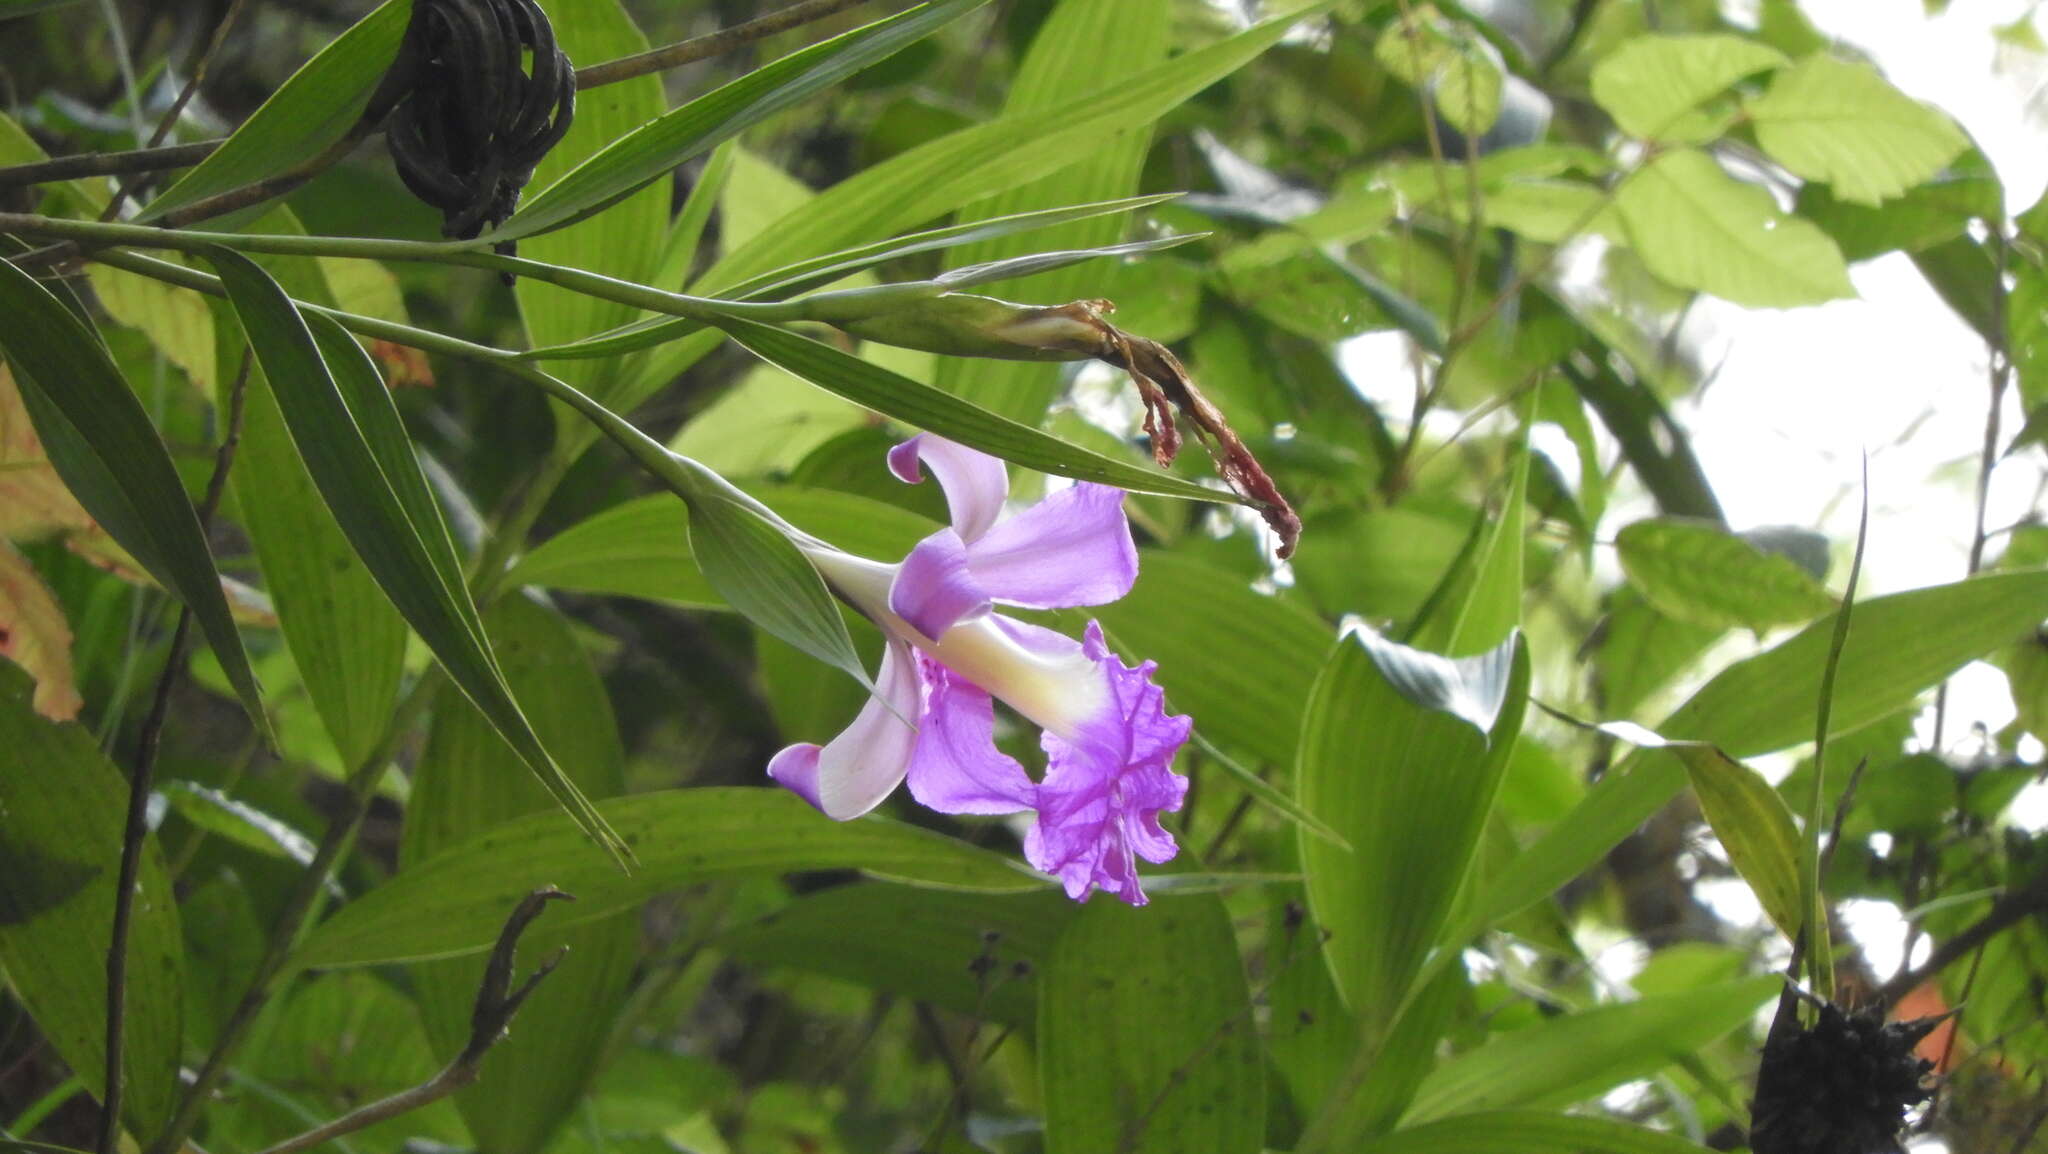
[1165,386]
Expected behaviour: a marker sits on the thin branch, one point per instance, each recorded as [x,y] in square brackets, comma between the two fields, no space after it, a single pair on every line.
[2027,901]
[711,44]
[140,160]
[177,108]
[298,908]
[496,1004]
[2000,379]
[137,831]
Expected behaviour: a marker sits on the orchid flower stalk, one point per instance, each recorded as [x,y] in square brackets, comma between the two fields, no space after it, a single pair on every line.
[1108,740]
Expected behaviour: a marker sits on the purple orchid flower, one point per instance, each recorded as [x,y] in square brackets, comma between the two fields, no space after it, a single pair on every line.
[1108,740]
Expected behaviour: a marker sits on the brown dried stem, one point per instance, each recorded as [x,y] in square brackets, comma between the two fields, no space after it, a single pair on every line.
[496,1004]
[140,785]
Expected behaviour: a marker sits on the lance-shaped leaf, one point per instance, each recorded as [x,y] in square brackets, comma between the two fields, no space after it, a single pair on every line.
[660,145]
[342,420]
[1401,753]
[647,333]
[308,112]
[102,444]
[894,395]
[453,903]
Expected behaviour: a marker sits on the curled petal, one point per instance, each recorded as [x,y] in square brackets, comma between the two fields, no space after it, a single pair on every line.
[1104,788]
[1073,548]
[853,772]
[976,484]
[934,588]
[957,767]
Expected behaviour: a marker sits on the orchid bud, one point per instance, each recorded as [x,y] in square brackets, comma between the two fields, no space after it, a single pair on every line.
[966,325]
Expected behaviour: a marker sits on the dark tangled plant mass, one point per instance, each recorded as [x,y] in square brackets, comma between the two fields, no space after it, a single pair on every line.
[474,121]
[1840,1086]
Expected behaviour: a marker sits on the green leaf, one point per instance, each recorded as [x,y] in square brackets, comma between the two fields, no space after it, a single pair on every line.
[761,573]
[468,782]
[1753,824]
[1650,82]
[934,938]
[656,148]
[1568,1059]
[238,821]
[1900,646]
[1697,227]
[1833,121]
[617,242]
[1528,1132]
[311,110]
[1146,1042]
[1409,786]
[344,636]
[1486,589]
[1446,62]
[640,548]
[1084,46]
[1935,210]
[352,442]
[102,444]
[60,852]
[454,902]
[1700,573]
[989,158]
[1238,661]
[924,407]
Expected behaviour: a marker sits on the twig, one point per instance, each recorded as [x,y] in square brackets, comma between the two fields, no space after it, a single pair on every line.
[2027,901]
[140,160]
[710,44]
[177,108]
[341,828]
[2001,377]
[139,787]
[496,1004]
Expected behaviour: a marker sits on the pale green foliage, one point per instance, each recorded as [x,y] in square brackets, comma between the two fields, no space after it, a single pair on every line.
[1830,120]
[1651,82]
[1697,227]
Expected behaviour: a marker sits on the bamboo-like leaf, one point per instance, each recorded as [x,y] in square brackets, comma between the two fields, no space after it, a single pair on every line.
[1409,786]
[454,902]
[986,159]
[311,110]
[341,418]
[659,146]
[468,782]
[897,396]
[1901,646]
[1146,1042]
[102,444]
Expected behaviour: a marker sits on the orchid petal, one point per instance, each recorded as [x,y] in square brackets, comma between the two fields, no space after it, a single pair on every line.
[854,771]
[1073,548]
[934,588]
[976,484]
[957,767]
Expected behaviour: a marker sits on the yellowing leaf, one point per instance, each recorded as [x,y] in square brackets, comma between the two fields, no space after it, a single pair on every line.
[175,320]
[1697,227]
[33,501]
[1651,82]
[1842,123]
[35,636]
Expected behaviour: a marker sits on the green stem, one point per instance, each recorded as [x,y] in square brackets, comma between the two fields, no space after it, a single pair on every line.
[592,284]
